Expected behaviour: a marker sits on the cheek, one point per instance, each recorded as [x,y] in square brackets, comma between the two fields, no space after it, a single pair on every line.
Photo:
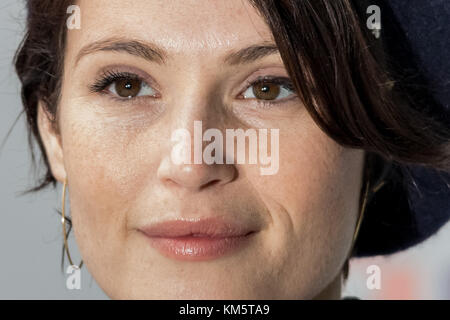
[313,201]
[106,165]
[317,180]
[108,154]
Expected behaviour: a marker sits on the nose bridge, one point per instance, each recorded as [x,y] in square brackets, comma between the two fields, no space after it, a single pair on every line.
[196,109]
[197,99]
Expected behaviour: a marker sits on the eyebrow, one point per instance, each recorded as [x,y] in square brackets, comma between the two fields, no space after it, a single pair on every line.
[251,54]
[151,52]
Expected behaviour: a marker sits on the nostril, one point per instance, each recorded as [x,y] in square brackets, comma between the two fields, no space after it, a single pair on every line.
[210,183]
[194,176]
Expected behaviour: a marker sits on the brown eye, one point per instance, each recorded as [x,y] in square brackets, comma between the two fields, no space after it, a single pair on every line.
[128,88]
[266,90]
[271,89]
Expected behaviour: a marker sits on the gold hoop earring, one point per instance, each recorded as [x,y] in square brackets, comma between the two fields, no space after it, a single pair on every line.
[374,190]
[362,211]
[63,220]
[361,216]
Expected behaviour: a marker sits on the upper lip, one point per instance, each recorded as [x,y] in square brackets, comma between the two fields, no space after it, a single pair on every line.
[212,227]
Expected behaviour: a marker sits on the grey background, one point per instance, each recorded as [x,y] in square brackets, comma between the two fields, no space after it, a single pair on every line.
[30,228]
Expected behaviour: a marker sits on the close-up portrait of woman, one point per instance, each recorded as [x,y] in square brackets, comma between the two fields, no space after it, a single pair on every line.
[238,149]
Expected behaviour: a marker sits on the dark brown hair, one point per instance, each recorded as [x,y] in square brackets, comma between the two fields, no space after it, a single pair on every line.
[340,71]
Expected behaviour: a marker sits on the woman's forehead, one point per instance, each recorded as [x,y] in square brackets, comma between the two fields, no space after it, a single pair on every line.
[190,26]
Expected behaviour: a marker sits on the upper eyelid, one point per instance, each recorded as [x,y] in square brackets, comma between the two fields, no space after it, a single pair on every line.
[122,74]
[126,70]
[274,79]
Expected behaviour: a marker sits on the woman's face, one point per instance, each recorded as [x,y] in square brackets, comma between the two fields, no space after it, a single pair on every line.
[136,72]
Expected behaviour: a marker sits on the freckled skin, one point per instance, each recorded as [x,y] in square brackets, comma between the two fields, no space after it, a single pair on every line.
[115,156]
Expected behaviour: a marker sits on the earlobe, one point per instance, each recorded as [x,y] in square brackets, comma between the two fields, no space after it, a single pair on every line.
[52,143]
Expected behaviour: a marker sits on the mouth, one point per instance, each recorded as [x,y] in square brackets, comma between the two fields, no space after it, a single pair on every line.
[199,239]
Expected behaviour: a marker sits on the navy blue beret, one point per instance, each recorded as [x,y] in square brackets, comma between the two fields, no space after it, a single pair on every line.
[415,36]
[426,27]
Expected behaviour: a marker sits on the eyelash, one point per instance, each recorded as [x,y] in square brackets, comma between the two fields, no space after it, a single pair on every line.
[110,77]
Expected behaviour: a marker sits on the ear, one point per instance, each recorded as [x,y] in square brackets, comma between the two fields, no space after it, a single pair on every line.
[52,144]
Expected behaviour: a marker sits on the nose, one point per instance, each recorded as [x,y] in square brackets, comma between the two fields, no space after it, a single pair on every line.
[194,177]
[197,101]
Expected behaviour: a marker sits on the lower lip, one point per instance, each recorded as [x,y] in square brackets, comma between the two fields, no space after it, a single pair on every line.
[198,248]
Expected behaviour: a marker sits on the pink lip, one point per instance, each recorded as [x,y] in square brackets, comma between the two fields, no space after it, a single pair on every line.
[197,240]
